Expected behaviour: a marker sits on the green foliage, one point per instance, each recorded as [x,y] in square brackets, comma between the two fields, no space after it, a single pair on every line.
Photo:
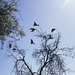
[21,32]
[1,48]
[8,22]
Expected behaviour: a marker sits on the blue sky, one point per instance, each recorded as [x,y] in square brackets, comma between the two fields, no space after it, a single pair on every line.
[59,14]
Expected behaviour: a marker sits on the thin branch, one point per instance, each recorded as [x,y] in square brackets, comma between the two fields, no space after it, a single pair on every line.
[25,65]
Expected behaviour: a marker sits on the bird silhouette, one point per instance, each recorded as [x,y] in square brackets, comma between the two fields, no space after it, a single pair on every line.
[9,45]
[53,30]
[14,49]
[35,24]
[32,42]
[50,37]
[32,29]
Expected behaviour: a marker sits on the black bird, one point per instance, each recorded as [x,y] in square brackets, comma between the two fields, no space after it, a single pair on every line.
[50,37]
[35,24]
[32,29]
[53,30]
[14,49]
[9,45]
[32,42]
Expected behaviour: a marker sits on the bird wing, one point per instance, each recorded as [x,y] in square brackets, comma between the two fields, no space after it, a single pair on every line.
[35,23]
[31,41]
[53,30]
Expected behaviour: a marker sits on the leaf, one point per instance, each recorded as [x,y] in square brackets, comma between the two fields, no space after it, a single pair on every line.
[1,48]
[2,43]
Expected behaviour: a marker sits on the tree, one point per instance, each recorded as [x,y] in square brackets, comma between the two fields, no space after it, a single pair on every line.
[49,57]
[9,24]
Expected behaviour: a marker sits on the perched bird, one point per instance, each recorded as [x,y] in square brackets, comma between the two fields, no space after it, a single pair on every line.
[32,29]
[53,30]
[9,45]
[50,37]
[14,49]
[32,42]
[35,24]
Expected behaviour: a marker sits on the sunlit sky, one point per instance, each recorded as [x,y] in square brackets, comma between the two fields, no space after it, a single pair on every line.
[59,14]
